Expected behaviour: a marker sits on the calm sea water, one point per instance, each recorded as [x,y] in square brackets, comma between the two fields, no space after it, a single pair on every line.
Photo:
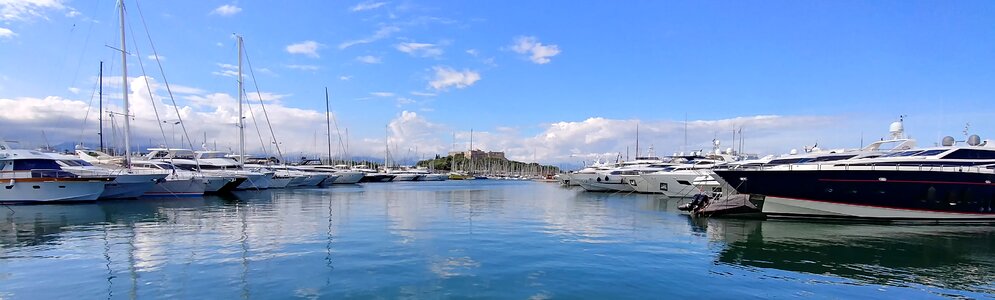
[470,239]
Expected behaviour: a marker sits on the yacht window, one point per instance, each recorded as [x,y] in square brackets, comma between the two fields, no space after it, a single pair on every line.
[931,152]
[212,155]
[160,154]
[187,167]
[832,158]
[902,154]
[971,154]
[165,166]
[786,161]
[35,164]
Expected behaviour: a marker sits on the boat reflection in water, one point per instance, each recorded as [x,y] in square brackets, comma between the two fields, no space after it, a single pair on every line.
[947,257]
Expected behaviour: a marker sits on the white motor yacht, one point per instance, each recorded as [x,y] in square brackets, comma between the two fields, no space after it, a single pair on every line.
[344,174]
[31,176]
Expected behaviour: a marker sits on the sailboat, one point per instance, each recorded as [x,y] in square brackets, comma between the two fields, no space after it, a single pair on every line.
[170,184]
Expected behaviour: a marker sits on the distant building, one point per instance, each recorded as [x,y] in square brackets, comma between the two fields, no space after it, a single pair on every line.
[479,154]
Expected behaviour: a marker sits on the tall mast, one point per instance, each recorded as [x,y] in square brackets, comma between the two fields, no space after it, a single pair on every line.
[124,85]
[100,115]
[386,147]
[637,140]
[328,125]
[241,128]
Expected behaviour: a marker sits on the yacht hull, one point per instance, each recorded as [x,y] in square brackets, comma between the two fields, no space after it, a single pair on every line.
[349,177]
[676,184]
[280,182]
[606,187]
[187,187]
[870,194]
[406,177]
[37,191]
[256,182]
[130,186]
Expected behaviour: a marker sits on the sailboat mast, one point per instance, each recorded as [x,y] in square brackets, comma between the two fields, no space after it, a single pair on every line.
[386,147]
[124,85]
[637,140]
[100,114]
[328,125]
[241,128]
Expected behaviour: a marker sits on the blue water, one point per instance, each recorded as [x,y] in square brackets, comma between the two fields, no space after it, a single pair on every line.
[469,239]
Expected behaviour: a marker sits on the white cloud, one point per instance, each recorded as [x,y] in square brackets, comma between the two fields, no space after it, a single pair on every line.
[309,48]
[24,10]
[303,67]
[368,6]
[382,94]
[404,101]
[380,34]
[227,70]
[423,94]
[154,57]
[369,59]
[446,77]
[345,77]
[419,49]
[74,90]
[472,52]
[226,10]
[6,33]
[538,52]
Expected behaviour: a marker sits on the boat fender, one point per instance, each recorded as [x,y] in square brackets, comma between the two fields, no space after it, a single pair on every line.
[11,184]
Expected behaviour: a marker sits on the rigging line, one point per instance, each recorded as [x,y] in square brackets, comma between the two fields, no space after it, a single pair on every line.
[176,108]
[263,106]
[148,87]
[258,132]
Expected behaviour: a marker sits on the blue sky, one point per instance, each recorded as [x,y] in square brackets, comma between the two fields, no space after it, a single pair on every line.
[831,71]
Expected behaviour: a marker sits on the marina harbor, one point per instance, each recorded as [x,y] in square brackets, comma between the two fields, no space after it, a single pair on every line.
[426,149]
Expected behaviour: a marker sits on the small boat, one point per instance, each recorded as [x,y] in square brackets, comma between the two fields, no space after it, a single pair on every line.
[737,205]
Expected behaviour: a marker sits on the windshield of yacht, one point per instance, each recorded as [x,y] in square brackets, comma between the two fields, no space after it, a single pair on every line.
[75,163]
[902,154]
[35,164]
[165,166]
[832,158]
[207,155]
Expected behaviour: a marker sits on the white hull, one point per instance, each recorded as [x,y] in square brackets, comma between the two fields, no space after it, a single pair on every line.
[677,184]
[256,181]
[298,181]
[406,177]
[130,186]
[213,184]
[348,177]
[280,182]
[577,178]
[187,187]
[433,177]
[789,207]
[606,187]
[50,191]
[314,179]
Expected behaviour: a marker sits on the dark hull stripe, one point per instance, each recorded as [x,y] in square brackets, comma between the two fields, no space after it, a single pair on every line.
[909,181]
[887,207]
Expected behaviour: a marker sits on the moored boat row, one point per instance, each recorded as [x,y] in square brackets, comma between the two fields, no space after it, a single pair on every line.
[888,180]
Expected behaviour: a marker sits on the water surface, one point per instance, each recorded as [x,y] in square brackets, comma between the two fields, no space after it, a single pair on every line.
[468,239]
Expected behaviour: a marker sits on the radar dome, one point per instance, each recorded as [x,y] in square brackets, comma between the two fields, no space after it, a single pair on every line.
[729,150]
[896,127]
[974,140]
[793,151]
[716,142]
[948,141]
